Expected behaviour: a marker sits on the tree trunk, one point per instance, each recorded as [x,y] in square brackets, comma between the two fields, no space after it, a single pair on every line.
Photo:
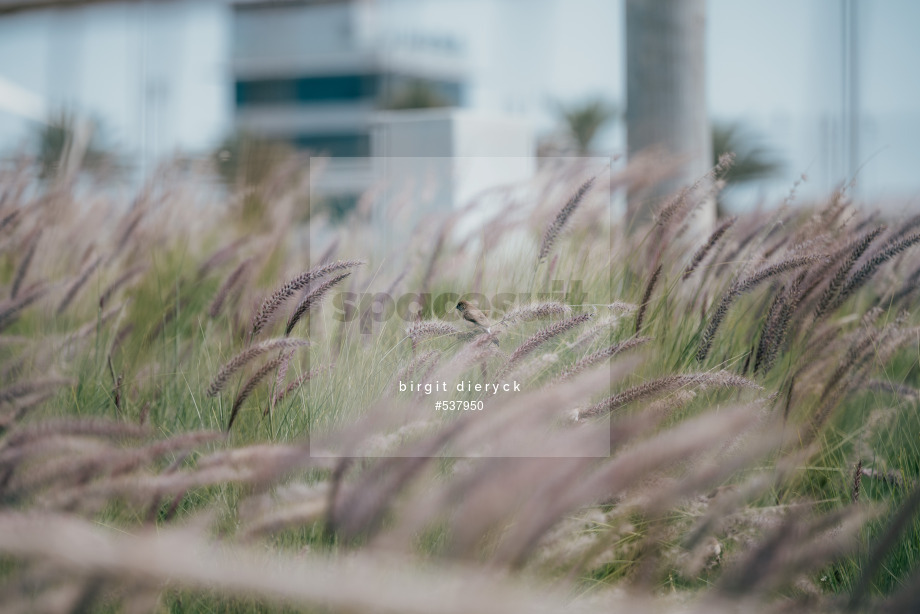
[666,95]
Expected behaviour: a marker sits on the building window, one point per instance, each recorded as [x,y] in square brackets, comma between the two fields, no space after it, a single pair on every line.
[350,145]
[380,89]
[306,90]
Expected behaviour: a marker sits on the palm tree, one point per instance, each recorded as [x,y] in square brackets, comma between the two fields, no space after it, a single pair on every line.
[752,161]
[583,121]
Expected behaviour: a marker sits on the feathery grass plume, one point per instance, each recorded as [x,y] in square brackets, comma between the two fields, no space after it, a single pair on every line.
[283,369]
[220,256]
[556,227]
[133,220]
[298,382]
[767,333]
[424,329]
[818,274]
[105,462]
[415,364]
[14,391]
[773,336]
[542,336]
[603,354]
[54,427]
[799,545]
[244,357]
[703,251]
[856,249]
[23,269]
[535,311]
[119,282]
[314,297]
[218,302]
[884,545]
[740,287]
[77,284]
[21,406]
[187,560]
[609,480]
[668,383]
[676,209]
[273,302]
[250,386]
[892,478]
[909,286]
[9,218]
[857,352]
[646,297]
[857,481]
[901,390]
[591,333]
[867,270]
[9,309]
[905,227]
[622,306]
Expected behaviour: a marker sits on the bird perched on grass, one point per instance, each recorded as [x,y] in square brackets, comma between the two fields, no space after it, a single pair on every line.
[472,314]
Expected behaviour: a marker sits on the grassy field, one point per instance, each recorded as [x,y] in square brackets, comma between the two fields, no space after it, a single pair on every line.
[201,406]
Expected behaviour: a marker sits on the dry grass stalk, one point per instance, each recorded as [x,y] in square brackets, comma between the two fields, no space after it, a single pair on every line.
[250,386]
[180,558]
[676,209]
[220,256]
[429,328]
[646,297]
[282,294]
[26,434]
[77,284]
[225,288]
[31,243]
[559,222]
[856,250]
[311,299]
[121,280]
[598,356]
[627,468]
[703,251]
[857,480]
[240,360]
[776,327]
[740,287]
[535,311]
[542,336]
[894,529]
[908,392]
[420,361]
[14,391]
[668,383]
[867,270]
[297,382]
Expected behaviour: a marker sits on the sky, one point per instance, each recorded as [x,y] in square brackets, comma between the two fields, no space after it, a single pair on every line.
[159,75]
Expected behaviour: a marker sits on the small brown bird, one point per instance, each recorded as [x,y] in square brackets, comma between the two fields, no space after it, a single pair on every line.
[472,314]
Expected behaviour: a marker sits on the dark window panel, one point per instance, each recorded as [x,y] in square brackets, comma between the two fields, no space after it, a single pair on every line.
[340,145]
[338,88]
[305,90]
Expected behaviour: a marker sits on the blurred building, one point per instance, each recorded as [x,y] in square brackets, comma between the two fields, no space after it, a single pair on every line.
[823,84]
[315,72]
